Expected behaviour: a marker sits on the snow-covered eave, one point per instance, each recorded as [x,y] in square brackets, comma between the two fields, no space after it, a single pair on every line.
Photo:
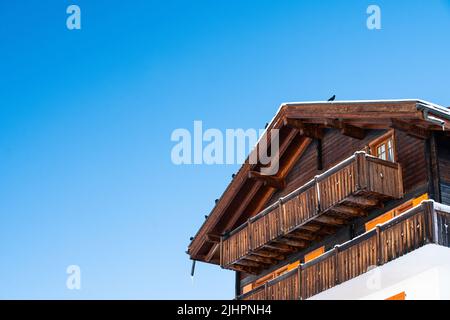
[421,104]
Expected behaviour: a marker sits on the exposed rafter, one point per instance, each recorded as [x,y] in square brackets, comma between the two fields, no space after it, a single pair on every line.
[330,220]
[269,254]
[410,129]
[350,211]
[212,237]
[271,181]
[345,128]
[307,130]
[215,249]
[261,259]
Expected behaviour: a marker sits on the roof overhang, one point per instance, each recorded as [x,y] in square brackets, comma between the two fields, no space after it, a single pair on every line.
[245,196]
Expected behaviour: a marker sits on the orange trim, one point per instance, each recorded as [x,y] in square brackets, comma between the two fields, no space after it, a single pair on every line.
[418,200]
[379,220]
[395,212]
[261,281]
[247,288]
[314,254]
[398,296]
[293,265]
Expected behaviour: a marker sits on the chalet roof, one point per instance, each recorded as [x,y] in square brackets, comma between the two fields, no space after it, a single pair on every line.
[297,122]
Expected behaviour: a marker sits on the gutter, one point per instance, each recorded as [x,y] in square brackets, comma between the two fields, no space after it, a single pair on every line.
[430,112]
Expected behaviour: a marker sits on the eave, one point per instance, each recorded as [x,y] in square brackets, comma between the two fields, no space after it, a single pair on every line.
[350,117]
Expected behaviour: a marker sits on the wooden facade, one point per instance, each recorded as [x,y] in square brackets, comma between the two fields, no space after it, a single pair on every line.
[419,226]
[343,165]
[322,205]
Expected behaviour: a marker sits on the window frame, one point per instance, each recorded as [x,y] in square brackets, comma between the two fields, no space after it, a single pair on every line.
[383,140]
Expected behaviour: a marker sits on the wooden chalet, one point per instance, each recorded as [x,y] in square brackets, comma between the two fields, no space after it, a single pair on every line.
[360,184]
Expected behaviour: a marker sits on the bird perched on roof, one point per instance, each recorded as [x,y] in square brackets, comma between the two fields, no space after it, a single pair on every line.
[332,98]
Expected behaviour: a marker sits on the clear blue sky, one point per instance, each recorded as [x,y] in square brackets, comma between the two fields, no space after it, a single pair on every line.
[86,117]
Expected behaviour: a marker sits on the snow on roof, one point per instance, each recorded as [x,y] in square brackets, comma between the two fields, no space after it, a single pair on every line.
[429,105]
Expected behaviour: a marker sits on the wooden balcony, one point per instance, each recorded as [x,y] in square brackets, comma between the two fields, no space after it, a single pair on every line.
[317,209]
[426,223]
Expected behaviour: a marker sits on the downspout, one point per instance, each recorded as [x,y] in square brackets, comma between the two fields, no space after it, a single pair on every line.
[193,269]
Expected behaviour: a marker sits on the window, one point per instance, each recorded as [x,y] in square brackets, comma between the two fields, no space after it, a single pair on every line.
[395,212]
[383,147]
[314,254]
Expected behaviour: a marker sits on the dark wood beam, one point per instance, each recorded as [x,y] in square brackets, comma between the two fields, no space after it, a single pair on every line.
[303,236]
[248,263]
[261,259]
[326,230]
[319,155]
[249,197]
[431,154]
[361,201]
[293,154]
[410,129]
[262,200]
[245,269]
[215,250]
[268,254]
[309,227]
[401,110]
[212,237]
[270,181]
[307,130]
[349,211]
[330,220]
[293,242]
[280,247]
[346,129]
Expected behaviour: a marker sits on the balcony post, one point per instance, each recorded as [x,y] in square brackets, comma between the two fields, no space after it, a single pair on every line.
[266,291]
[401,190]
[430,222]
[299,275]
[379,247]
[282,216]
[317,188]
[336,264]
[221,251]
[361,170]
[249,235]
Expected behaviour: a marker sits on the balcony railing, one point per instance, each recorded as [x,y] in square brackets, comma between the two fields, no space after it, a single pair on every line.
[425,223]
[325,203]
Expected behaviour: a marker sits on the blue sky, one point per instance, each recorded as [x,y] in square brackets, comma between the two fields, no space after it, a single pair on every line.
[86,116]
